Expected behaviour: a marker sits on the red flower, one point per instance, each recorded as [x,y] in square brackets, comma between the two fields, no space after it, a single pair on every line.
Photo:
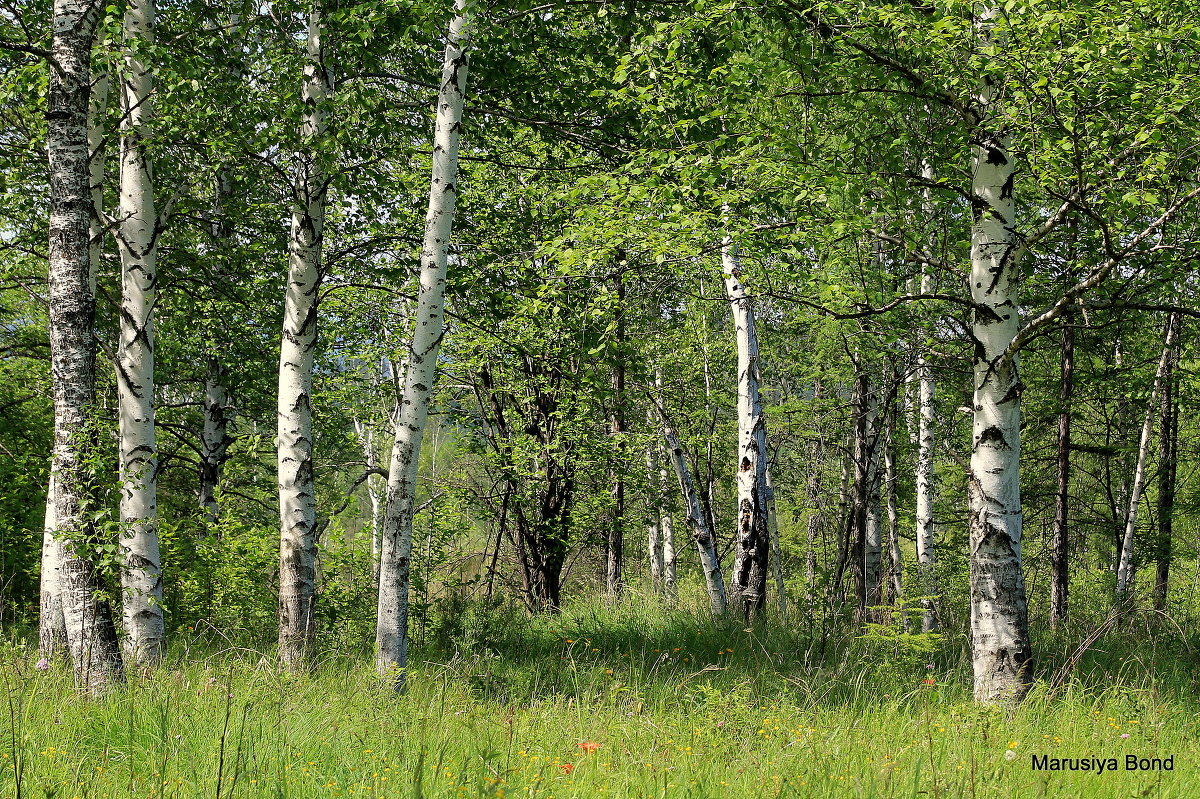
[589,746]
[567,767]
[929,681]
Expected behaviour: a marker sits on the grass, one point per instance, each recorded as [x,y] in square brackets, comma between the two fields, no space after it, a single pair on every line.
[502,705]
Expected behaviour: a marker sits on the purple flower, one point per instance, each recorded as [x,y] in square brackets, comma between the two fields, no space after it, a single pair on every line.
[42,665]
[1124,735]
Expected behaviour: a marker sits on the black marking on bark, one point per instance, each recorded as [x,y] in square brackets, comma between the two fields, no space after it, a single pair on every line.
[993,436]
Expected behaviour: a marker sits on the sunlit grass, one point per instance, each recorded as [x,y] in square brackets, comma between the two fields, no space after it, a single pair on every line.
[630,701]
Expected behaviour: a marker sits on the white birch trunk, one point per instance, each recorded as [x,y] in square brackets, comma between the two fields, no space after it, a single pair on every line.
[1125,569]
[137,237]
[666,534]
[52,631]
[366,438]
[91,635]
[926,443]
[654,515]
[297,490]
[748,586]
[412,409]
[1001,651]
[701,534]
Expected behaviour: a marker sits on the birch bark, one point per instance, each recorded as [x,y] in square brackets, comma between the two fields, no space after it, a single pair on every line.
[391,638]
[697,521]
[137,244]
[1127,566]
[926,445]
[999,612]
[748,588]
[52,632]
[655,512]
[297,492]
[91,635]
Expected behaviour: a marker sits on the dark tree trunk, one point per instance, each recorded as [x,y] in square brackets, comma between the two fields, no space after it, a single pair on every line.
[1059,550]
[1168,453]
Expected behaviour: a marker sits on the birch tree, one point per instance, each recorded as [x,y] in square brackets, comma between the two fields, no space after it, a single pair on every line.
[748,587]
[52,632]
[297,491]
[1125,569]
[999,613]
[412,407]
[137,244]
[91,634]
[698,523]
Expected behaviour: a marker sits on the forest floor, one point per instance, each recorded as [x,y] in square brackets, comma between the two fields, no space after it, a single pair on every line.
[624,702]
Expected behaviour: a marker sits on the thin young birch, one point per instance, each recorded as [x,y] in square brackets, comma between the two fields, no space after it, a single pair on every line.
[926,488]
[297,491]
[412,408]
[698,522]
[1126,568]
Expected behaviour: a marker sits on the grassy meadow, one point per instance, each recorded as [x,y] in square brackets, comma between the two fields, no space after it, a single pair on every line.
[631,701]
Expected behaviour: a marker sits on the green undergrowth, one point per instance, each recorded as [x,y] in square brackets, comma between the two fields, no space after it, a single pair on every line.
[631,701]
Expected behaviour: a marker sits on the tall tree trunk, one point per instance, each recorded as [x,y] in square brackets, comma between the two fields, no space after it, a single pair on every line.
[1168,452]
[615,538]
[412,409]
[214,435]
[297,489]
[1000,645]
[91,634]
[137,244]
[1127,565]
[926,486]
[696,520]
[748,588]
[1060,542]
[52,631]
